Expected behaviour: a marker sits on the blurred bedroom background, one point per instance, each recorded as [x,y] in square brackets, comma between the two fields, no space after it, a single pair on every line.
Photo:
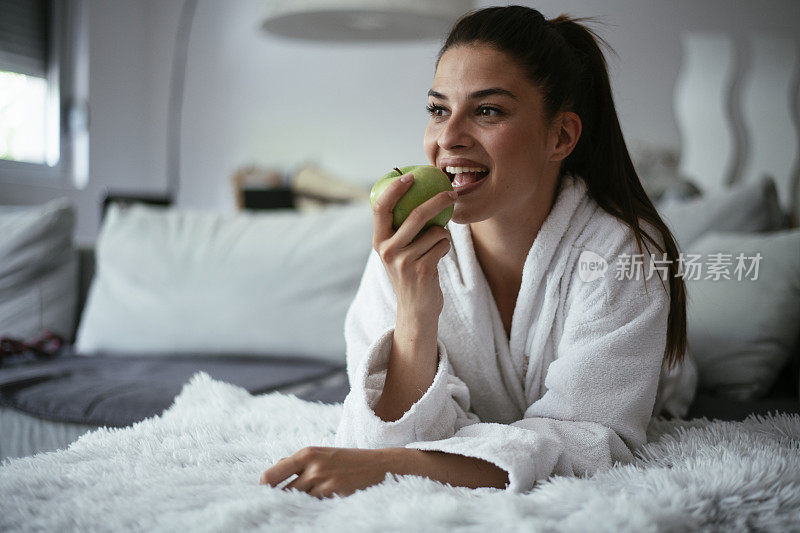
[253,130]
[352,109]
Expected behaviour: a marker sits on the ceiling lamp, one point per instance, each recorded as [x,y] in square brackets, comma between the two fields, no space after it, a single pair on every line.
[362,20]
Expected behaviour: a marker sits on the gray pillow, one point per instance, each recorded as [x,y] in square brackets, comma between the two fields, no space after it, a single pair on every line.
[745,208]
[742,333]
[38,270]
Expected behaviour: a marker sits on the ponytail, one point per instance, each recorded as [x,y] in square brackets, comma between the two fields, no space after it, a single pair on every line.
[563,58]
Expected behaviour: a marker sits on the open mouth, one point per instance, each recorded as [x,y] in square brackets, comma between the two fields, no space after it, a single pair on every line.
[462,178]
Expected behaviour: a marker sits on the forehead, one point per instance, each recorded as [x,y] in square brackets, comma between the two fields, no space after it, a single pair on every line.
[463,68]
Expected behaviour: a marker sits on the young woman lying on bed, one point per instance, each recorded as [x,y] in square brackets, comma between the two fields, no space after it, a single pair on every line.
[485,355]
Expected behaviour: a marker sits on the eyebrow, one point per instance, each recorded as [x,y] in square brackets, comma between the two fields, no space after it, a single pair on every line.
[483,93]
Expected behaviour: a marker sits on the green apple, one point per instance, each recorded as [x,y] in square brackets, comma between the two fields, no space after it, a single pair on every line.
[428,182]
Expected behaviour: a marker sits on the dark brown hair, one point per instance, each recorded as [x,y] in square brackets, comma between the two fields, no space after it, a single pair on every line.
[563,58]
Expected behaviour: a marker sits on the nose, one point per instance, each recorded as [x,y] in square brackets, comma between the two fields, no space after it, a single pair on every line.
[455,133]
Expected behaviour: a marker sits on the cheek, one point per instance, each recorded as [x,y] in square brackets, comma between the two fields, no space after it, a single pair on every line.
[523,148]
[429,144]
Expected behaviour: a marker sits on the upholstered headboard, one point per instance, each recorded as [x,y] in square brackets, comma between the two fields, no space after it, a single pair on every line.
[736,104]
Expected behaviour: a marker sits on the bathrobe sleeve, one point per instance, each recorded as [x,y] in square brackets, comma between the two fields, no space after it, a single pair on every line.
[369,328]
[600,394]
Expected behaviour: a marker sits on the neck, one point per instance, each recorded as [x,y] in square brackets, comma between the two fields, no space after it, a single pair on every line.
[502,244]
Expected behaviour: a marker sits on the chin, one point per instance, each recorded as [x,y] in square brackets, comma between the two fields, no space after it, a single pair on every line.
[464,216]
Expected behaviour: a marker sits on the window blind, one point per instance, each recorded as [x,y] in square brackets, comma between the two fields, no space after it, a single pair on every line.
[24,43]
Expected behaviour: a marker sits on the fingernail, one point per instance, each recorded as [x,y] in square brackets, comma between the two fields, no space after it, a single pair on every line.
[452,194]
[407,178]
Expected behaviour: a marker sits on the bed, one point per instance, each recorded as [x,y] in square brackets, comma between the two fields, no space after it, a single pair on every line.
[108,375]
[125,363]
[148,422]
[196,467]
[118,433]
[48,405]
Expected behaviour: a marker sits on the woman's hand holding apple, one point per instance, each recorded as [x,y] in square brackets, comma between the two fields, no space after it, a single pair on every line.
[409,255]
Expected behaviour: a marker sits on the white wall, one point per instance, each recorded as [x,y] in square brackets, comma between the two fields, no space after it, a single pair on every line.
[357,110]
[130,48]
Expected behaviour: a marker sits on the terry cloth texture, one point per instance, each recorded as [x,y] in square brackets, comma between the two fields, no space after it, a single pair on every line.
[573,388]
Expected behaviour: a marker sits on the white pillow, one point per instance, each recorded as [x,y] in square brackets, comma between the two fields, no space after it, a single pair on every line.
[272,283]
[38,270]
[743,332]
[744,208]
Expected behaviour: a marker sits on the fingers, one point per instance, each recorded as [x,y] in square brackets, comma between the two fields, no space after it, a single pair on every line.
[281,471]
[420,216]
[437,251]
[325,490]
[263,479]
[384,205]
[400,259]
[301,483]
[429,238]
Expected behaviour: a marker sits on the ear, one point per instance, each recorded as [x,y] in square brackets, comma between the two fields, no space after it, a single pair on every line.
[566,132]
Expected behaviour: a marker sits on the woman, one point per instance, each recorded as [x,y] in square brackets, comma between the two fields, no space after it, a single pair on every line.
[501,352]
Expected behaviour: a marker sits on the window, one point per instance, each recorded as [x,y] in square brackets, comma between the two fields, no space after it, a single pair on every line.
[43,89]
[23,119]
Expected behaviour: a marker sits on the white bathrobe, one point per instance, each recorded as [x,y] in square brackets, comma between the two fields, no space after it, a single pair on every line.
[573,389]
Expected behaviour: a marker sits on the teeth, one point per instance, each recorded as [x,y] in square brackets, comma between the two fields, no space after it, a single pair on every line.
[459,170]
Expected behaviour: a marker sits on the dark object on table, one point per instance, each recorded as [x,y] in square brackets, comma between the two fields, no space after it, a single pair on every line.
[273,198]
[127,199]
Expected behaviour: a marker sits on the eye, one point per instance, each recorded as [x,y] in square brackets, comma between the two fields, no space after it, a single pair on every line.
[433,110]
[483,108]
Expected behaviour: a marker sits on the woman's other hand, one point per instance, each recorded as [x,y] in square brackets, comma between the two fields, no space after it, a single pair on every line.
[411,262]
[325,471]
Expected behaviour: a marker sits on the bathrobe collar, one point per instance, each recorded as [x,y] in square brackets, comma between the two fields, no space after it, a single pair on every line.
[541,277]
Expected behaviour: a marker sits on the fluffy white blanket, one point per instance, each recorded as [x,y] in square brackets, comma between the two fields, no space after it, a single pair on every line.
[196,467]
